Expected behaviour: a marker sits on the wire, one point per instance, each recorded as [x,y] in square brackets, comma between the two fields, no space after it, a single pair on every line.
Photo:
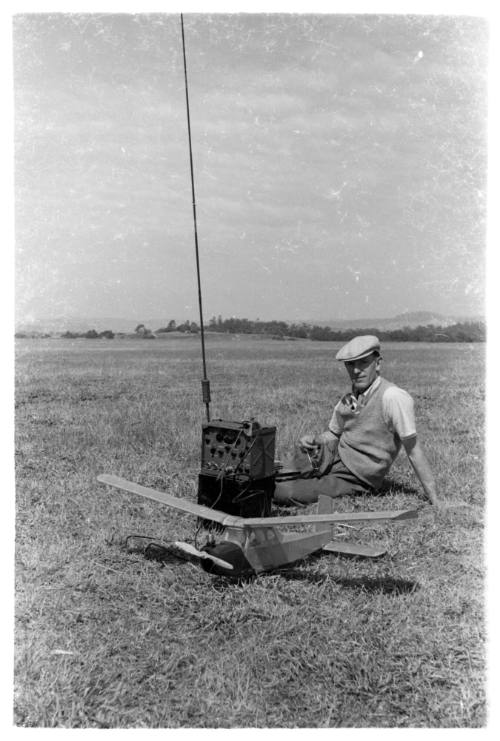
[151,539]
[220,475]
[247,453]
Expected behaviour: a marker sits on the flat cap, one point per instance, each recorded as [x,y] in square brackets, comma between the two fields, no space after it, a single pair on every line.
[359,347]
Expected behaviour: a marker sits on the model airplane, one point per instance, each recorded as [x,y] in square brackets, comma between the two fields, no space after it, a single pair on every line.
[250,545]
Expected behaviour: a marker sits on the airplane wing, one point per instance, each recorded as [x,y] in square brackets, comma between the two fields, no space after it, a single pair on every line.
[184,505]
[404,514]
[222,518]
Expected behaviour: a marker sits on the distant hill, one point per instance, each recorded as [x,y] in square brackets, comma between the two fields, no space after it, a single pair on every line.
[408,319]
[57,325]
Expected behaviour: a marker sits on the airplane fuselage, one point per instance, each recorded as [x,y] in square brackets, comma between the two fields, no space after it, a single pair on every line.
[253,550]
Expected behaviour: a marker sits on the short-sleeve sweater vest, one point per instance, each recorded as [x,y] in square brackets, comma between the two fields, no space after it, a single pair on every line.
[367,446]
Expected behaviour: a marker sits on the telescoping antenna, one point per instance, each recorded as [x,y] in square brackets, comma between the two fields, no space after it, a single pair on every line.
[205,383]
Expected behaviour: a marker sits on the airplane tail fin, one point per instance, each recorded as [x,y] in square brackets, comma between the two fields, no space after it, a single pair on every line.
[325,507]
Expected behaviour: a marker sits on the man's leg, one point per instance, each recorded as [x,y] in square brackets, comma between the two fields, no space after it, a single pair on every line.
[303,491]
[339,482]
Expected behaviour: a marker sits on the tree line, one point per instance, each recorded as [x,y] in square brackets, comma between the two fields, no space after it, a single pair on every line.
[473,331]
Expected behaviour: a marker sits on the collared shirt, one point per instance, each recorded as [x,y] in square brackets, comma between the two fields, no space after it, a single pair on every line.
[397,410]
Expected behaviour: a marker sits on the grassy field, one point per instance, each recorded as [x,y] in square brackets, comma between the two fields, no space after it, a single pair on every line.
[108,639]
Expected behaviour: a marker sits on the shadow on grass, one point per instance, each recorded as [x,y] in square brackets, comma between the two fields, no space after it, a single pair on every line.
[395,487]
[385,584]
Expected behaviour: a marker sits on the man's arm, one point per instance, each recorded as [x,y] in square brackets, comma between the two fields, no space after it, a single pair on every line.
[421,467]
[329,437]
[310,442]
[321,450]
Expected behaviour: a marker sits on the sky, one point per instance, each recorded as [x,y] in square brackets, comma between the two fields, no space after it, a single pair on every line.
[339,165]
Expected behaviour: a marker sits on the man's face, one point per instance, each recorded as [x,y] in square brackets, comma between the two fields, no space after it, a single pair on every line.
[363,372]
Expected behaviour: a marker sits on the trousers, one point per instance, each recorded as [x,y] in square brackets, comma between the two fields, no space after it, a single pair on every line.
[337,483]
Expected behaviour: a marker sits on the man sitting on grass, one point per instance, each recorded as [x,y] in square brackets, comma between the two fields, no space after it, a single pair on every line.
[365,434]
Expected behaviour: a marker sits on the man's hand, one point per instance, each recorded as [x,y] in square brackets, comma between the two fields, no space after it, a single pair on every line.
[308,443]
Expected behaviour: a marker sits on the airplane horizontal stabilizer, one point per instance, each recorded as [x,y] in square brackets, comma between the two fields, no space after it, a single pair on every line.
[354,549]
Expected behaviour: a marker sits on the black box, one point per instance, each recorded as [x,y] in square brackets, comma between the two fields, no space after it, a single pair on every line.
[237,467]
[237,448]
[241,498]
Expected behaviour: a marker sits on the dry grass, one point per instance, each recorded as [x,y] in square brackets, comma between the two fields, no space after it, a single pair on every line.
[106,638]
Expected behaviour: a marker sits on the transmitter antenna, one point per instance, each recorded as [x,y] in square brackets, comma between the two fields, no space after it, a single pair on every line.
[205,383]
